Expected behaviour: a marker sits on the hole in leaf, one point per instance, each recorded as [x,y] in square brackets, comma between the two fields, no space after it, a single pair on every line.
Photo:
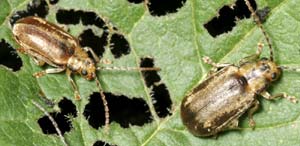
[74,17]
[225,21]
[91,18]
[88,38]
[122,110]
[38,8]
[135,1]
[150,77]
[119,45]
[162,7]
[9,56]
[161,100]
[68,109]
[160,94]
[68,16]
[34,7]
[101,143]
[53,2]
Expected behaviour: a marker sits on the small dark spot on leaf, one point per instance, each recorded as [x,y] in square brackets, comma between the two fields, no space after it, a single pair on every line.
[9,56]
[225,21]
[122,110]
[135,1]
[263,13]
[88,38]
[119,45]
[68,109]
[150,77]
[163,7]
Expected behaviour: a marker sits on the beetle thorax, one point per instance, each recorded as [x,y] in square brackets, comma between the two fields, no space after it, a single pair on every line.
[259,74]
[84,66]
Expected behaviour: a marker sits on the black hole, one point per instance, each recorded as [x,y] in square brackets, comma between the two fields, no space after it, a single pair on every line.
[122,110]
[67,107]
[61,118]
[38,7]
[150,76]
[68,16]
[18,15]
[91,18]
[162,7]
[225,21]
[88,38]
[162,101]
[241,10]
[53,2]
[135,1]
[101,143]
[119,46]
[9,56]
[35,7]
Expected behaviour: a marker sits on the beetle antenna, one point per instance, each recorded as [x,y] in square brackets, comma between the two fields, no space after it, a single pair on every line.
[259,24]
[105,104]
[130,68]
[52,121]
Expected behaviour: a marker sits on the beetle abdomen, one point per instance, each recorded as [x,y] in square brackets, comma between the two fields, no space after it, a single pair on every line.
[52,44]
[216,102]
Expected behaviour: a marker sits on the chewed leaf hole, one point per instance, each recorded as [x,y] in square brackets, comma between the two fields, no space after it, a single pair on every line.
[68,110]
[9,56]
[163,7]
[101,143]
[97,43]
[159,93]
[122,110]
[225,20]
[135,1]
[34,8]
[119,45]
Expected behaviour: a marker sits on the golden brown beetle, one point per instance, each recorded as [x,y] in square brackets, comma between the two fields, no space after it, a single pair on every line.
[48,43]
[217,103]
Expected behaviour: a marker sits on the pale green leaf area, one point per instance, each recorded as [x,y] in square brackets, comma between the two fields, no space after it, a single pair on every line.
[177,42]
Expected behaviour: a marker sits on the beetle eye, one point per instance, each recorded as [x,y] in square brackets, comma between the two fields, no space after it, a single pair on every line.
[264,59]
[264,67]
[84,72]
[273,76]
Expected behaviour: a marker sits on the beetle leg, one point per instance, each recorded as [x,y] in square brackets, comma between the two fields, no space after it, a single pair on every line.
[38,62]
[48,71]
[74,86]
[208,60]
[96,58]
[251,111]
[267,95]
[253,57]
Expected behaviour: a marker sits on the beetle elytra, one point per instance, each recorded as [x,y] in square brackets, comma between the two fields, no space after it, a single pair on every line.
[47,43]
[225,95]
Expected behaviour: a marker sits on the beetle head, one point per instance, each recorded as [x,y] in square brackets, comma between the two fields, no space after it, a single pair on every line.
[269,69]
[88,69]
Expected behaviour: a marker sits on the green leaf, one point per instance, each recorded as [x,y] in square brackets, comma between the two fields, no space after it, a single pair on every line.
[177,42]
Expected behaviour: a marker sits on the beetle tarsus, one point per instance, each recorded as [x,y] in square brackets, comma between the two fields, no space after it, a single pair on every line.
[39,74]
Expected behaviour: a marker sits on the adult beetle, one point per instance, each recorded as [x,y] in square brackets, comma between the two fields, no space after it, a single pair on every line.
[217,103]
[48,43]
